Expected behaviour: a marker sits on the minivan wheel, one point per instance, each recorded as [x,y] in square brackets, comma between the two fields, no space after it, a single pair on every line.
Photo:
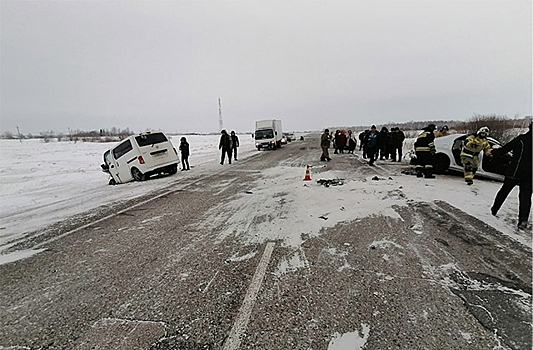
[137,175]
[173,169]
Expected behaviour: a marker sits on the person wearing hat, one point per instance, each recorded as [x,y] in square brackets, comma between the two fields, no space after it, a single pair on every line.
[473,146]
[444,131]
[517,173]
[324,144]
[425,150]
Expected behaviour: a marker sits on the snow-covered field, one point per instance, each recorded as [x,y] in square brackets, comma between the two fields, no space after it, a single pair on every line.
[42,183]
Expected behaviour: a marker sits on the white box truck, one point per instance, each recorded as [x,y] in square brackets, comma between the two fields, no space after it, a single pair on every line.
[268,134]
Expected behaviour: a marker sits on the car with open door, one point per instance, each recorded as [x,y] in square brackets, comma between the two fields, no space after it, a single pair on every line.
[448,157]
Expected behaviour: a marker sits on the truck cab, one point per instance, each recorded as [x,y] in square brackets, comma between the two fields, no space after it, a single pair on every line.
[268,134]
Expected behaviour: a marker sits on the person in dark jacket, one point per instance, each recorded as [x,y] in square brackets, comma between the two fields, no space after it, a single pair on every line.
[362,140]
[184,148]
[234,145]
[372,144]
[383,140]
[517,173]
[225,146]
[425,150]
[352,142]
[324,144]
[341,142]
[397,137]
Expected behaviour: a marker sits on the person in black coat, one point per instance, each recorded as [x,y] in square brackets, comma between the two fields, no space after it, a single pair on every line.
[518,173]
[383,141]
[184,148]
[225,146]
[362,140]
[234,145]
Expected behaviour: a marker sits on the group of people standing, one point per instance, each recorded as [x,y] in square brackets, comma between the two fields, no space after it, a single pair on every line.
[228,145]
[384,144]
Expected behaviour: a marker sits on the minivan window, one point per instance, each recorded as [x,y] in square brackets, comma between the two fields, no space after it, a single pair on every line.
[122,149]
[150,139]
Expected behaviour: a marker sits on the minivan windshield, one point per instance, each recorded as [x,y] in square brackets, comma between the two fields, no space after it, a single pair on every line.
[150,139]
[264,134]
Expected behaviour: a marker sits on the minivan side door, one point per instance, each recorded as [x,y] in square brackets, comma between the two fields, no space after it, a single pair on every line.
[122,154]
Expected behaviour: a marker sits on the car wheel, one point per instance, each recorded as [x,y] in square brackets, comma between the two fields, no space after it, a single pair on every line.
[442,163]
[173,169]
[137,175]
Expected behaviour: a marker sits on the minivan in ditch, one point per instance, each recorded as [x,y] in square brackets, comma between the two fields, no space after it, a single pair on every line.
[139,156]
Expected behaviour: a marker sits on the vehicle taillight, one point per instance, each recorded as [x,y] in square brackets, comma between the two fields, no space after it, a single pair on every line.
[175,150]
[141,160]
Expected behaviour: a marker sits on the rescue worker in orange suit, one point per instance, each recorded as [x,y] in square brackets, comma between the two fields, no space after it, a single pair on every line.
[473,146]
[425,150]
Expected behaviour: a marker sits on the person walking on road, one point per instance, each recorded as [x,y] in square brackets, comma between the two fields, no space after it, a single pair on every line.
[473,146]
[517,173]
[425,150]
[371,144]
[397,136]
[234,145]
[184,148]
[324,144]
[225,146]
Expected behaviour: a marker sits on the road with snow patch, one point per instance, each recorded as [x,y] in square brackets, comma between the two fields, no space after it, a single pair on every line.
[249,256]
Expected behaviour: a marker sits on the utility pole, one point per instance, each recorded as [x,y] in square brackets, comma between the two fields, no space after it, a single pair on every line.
[20,136]
[220,124]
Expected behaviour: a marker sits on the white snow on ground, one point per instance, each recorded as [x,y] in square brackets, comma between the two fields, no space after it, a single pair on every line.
[283,207]
[42,183]
[349,341]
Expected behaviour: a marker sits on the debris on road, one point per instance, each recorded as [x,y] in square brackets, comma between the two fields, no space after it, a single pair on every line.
[323,217]
[334,182]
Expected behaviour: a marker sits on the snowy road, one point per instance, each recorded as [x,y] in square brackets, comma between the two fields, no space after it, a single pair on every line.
[251,257]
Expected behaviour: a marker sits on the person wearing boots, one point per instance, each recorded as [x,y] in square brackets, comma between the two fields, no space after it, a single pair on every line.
[324,144]
[425,150]
[473,146]
[225,146]
[517,173]
[234,144]
[184,148]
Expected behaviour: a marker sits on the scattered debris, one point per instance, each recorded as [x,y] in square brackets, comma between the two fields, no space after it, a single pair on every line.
[334,182]
[409,172]
[376,178]
[343,209]
[249,192]
[390,178]
[323,217]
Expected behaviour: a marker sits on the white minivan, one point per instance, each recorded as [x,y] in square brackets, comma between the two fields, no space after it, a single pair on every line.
[139,156]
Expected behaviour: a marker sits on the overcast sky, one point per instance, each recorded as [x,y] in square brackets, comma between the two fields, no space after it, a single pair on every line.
[163,65]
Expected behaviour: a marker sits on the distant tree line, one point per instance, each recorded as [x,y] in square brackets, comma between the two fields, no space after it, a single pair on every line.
[102,135]
[501,127]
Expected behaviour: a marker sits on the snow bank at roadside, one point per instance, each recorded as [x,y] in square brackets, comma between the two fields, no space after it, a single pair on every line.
[42,183]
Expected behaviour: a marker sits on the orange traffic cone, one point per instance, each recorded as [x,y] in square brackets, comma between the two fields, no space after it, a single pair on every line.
[307,175]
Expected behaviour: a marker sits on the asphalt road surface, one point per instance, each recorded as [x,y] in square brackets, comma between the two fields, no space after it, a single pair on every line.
[158,276]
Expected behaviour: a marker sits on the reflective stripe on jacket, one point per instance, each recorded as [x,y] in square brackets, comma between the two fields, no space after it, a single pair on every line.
[424,142]
[474,145]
